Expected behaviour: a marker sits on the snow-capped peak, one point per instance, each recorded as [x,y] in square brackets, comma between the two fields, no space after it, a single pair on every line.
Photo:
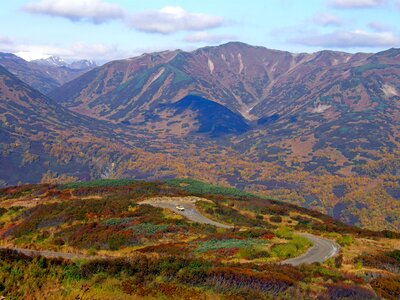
[56,61]
[52,61]
[83,64]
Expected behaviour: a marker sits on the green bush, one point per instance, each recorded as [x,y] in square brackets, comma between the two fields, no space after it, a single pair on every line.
[394,254]
[284,232]
[195,272]
[212,245]
[284,250]
[276,219]
[117,221]
[71,272]
[293,248]
[2,211]
[301,242]
[253,252]
[200,188]
[345,240]
[97,183]
[148,228]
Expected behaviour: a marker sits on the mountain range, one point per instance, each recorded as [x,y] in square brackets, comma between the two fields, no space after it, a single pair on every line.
[47,74]
[56,61]
[320,130]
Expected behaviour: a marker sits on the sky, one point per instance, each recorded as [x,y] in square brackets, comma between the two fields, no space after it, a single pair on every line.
[104,30]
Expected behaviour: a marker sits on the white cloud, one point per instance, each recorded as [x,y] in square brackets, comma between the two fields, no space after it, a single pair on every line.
[356,3]
[5,40]
[81,49]
[203,36]
[166,20]
[171,19]
[78,50]
[325,19]
[96,11]
[380,27]
[350,39]
[28,55]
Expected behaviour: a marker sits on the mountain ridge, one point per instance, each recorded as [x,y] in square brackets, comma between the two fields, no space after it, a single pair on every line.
[56,61]
[43,78]
[204,65]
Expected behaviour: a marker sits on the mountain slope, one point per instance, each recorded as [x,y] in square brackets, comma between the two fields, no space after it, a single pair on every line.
[39,136]
[126,239]
[30,73]
[43,77]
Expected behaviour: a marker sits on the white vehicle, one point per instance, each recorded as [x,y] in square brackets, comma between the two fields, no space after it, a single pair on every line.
[180,208]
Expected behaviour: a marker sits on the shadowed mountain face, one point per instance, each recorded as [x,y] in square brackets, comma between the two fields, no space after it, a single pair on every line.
[210,118]
[42,77]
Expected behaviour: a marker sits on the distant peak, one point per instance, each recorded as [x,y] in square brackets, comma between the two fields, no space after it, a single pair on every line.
[52,61]
[83,64]
[56,61]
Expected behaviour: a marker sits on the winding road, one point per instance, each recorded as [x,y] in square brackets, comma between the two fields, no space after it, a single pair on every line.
[190,211]
[319,252]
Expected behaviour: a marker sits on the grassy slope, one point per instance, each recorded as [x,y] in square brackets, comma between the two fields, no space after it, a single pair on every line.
[167,256]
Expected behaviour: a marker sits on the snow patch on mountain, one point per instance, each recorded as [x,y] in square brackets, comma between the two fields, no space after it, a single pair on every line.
[210,65]
[321,108]
[389,90]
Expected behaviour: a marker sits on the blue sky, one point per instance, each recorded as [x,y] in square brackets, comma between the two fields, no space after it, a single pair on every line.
[103,30]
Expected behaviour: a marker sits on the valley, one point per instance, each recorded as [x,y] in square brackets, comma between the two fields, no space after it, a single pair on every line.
[318,130]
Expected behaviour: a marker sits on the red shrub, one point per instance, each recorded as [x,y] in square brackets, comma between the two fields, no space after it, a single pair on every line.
[344,291]
[166,249]
[268,236]
[387,287]
[226,252]
[227,278]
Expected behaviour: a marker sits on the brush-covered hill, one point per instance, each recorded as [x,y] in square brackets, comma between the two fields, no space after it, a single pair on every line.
[114,246]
